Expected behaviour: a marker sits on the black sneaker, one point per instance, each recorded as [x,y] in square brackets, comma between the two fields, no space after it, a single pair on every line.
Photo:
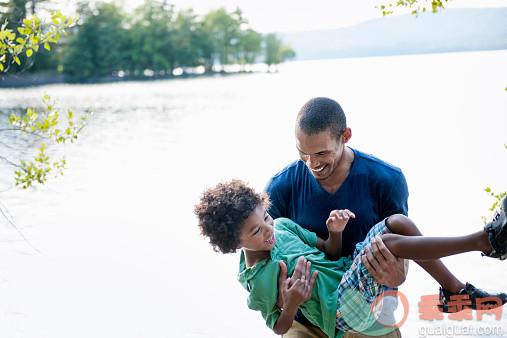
[474,294]
[497,231]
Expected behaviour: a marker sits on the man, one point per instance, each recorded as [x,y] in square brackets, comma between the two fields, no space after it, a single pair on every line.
[329,176]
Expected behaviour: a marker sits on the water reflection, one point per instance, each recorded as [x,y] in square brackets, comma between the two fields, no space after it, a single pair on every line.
[126,256]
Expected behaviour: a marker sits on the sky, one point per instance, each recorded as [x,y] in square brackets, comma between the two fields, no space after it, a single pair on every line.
[301,15]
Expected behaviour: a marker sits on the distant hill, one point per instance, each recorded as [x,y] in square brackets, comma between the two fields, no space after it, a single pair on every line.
[450,30]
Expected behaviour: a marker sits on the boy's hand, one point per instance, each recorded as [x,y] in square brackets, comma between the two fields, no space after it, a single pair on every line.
[338,220]
[302,269]
[295,292]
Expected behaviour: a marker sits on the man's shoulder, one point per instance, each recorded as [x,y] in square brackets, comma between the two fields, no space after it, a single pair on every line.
[286,176]
[291,169]
[374,164]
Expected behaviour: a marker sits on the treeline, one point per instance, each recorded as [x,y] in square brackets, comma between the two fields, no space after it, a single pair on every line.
[155,39]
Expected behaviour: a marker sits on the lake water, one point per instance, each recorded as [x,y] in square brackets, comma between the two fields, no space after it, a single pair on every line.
[117,250]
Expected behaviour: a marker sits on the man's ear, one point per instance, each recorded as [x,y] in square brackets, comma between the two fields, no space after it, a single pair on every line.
[346,135]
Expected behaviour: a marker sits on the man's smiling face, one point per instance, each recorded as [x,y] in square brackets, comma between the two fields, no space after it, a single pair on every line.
[321,152]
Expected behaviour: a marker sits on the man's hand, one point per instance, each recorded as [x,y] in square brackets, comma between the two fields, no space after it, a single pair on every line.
[384,267]
[338,220]
[302,270]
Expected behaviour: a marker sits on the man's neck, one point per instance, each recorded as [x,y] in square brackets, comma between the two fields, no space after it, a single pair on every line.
[335,181]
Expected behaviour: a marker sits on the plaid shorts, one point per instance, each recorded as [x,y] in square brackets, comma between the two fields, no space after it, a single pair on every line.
[358,289]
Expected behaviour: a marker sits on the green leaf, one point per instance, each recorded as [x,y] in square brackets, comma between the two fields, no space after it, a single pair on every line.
[1,67]
[46,45]
[20,40]
[17,61]
[29,52]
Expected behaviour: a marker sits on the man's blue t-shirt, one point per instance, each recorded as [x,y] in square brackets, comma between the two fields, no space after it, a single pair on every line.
[373,190]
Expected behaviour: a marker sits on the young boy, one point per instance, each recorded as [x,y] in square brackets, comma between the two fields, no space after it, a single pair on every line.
[234,216]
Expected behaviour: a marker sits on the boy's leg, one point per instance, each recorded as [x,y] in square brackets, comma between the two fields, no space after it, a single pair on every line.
[298,330]
[410,245]
[401,242]
[358,290]
[394,334]
[406,241]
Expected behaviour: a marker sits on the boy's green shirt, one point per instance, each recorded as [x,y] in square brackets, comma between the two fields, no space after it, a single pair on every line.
[261,280]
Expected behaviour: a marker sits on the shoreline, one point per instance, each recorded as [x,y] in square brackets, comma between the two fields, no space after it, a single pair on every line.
[34,80]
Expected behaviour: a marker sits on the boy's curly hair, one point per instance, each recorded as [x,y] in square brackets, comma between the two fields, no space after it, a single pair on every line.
[223,210]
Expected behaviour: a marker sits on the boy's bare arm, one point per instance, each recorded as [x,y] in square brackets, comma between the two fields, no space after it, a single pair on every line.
[335,224]
[292,297]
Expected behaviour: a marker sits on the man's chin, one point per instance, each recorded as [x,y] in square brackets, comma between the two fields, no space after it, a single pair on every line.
[321,178]
[324,176]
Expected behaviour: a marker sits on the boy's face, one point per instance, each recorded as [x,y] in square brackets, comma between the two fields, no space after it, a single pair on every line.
[257,233]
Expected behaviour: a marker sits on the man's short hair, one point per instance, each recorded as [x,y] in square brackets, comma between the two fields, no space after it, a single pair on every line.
[320,114]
